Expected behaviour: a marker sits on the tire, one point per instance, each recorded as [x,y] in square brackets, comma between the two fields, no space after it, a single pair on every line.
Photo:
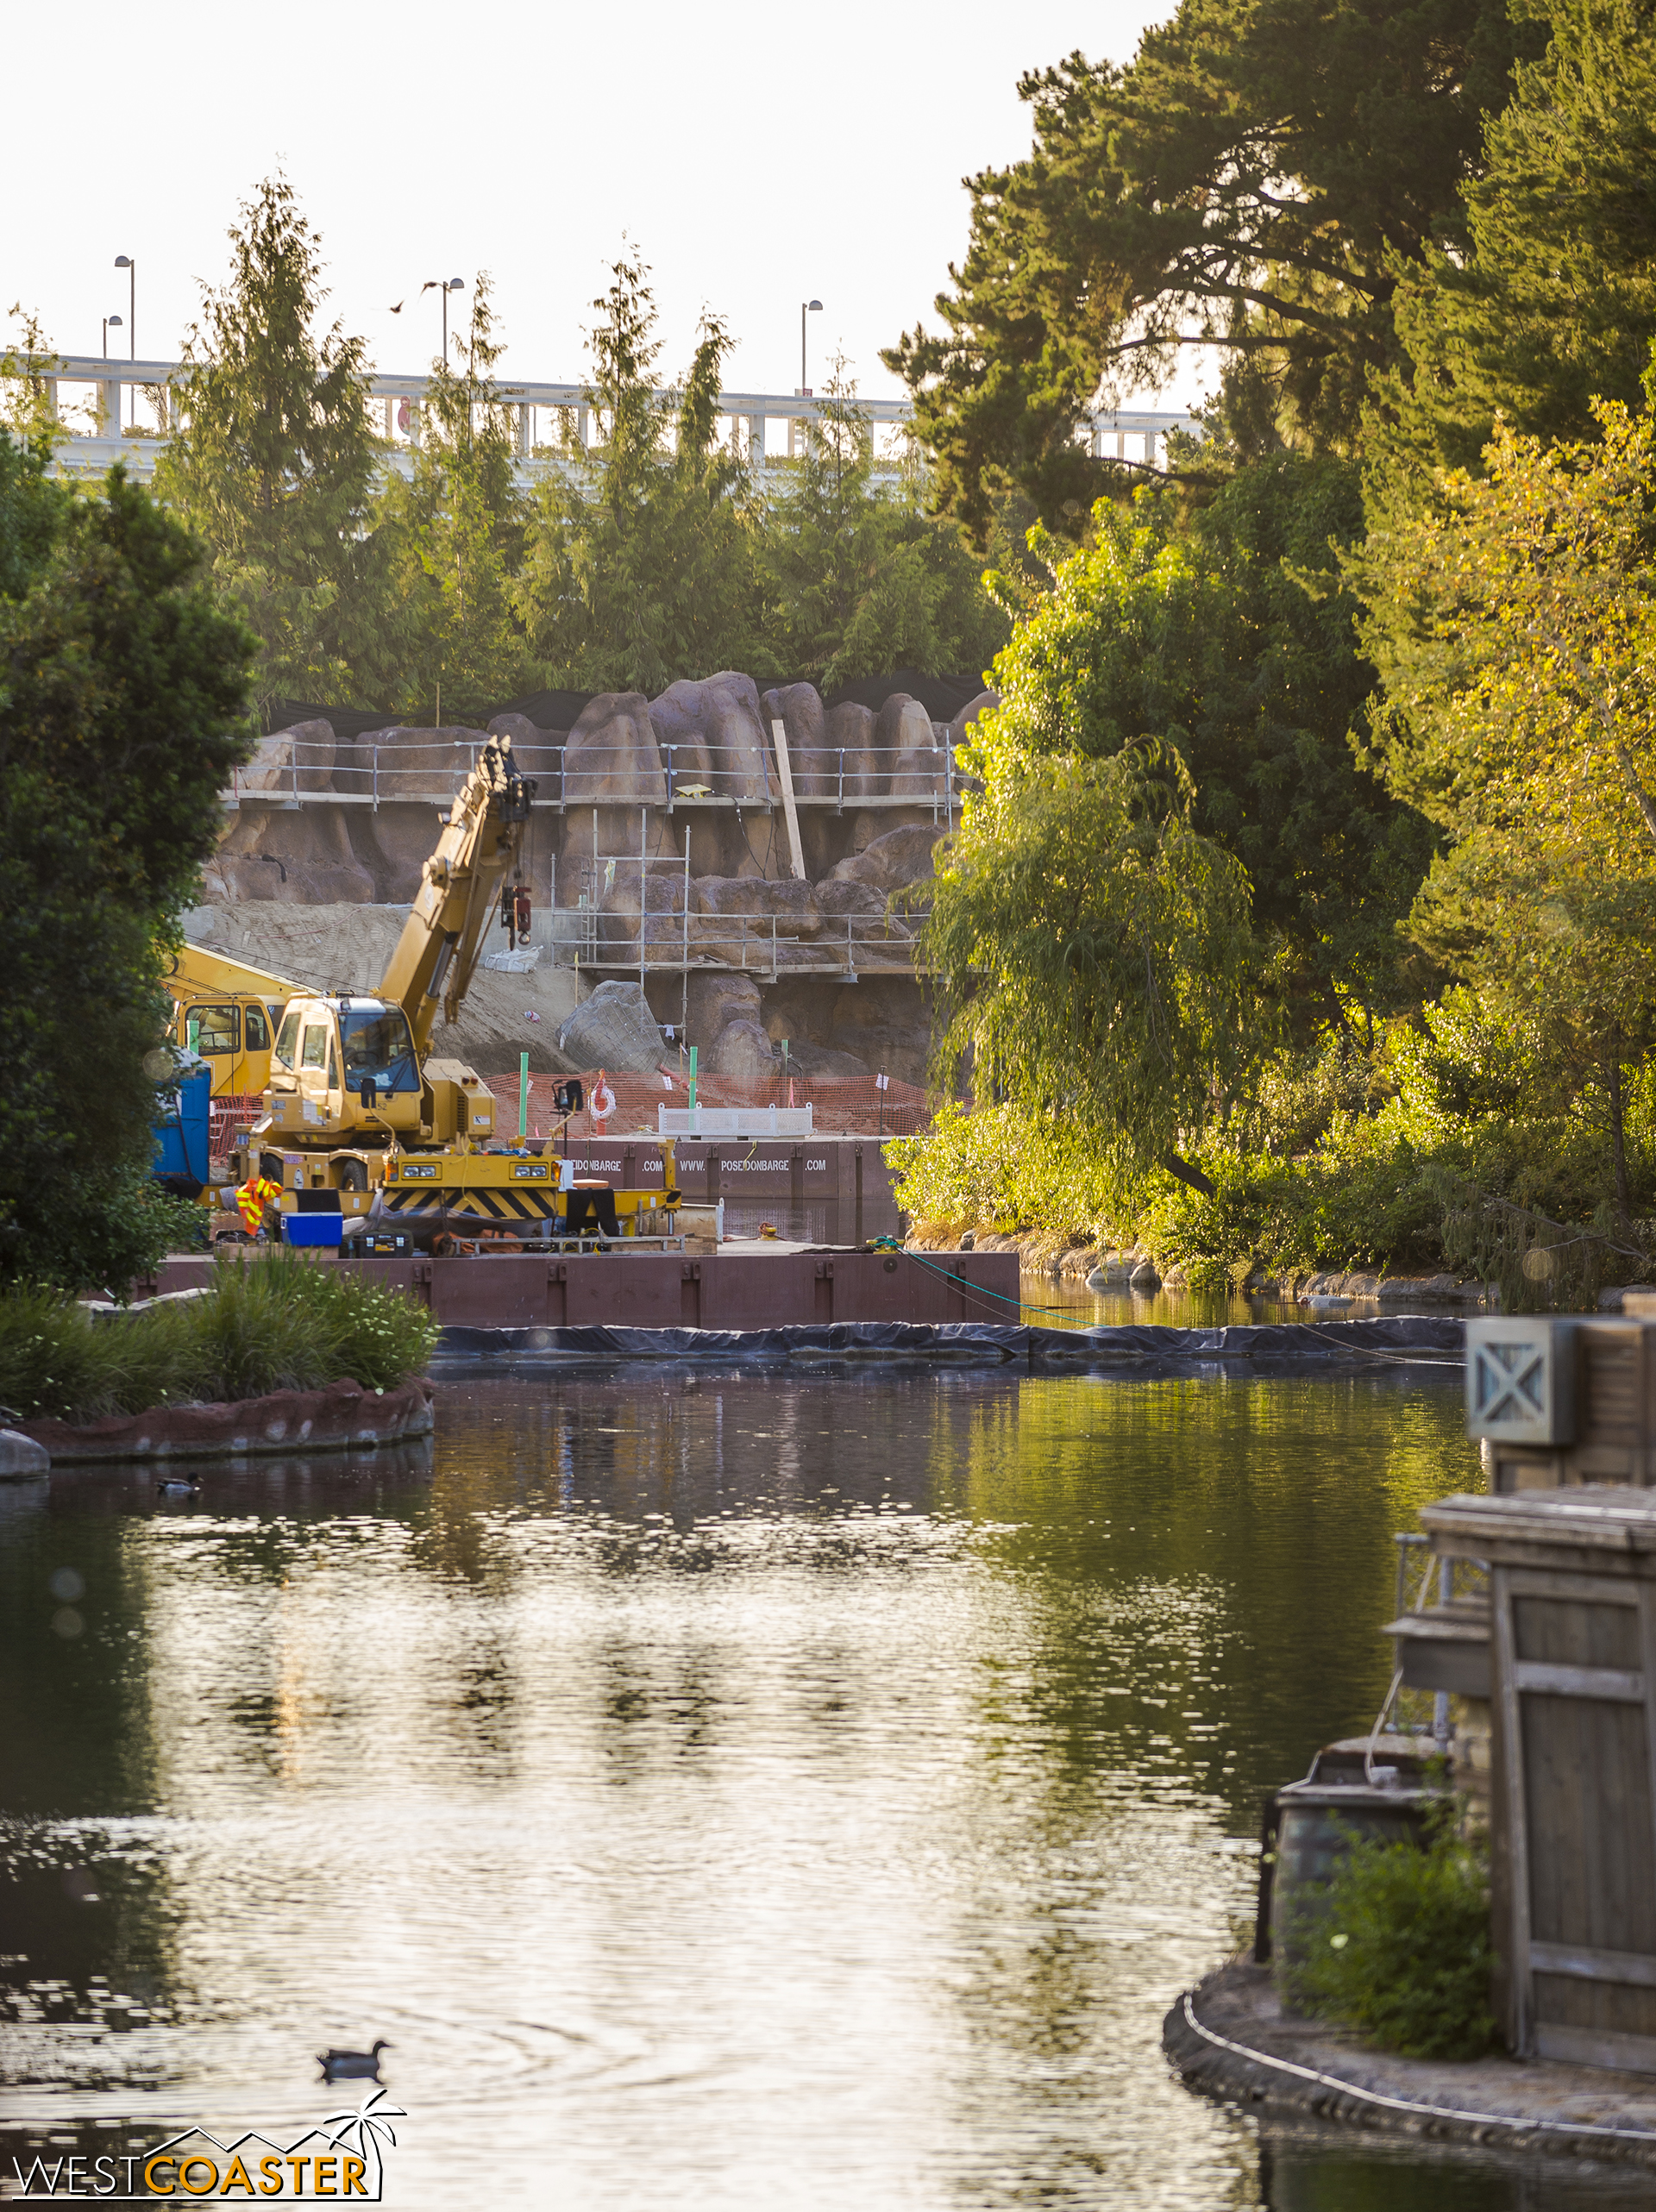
[353,1175]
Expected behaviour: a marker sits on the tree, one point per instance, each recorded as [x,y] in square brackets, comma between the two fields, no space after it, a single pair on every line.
[26,407]
[1091,950]
[1562,952]
[275,463]
[857,578]
[123,693]
[1552,302]
[1514,622]
[456,534]
[1231,636]
[639,568]
[1255,181]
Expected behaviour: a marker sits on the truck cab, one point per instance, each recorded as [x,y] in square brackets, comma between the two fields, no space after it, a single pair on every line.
[343,1068]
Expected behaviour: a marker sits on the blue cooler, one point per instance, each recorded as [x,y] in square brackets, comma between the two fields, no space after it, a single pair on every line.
[318,1222]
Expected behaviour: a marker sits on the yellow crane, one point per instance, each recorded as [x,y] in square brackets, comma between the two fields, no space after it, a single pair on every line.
[230,1013]
[361,1113]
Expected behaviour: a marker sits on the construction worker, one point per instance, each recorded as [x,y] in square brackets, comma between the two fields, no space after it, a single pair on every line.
[252,1196]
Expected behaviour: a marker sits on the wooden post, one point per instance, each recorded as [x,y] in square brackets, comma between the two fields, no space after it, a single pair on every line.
[785,777]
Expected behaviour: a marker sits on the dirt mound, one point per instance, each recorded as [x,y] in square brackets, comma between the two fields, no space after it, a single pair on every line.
[346,948]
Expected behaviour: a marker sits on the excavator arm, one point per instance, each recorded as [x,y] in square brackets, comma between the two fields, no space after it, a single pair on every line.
[481,845]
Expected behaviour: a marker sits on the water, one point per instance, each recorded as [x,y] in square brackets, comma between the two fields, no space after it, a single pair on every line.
[725,1792]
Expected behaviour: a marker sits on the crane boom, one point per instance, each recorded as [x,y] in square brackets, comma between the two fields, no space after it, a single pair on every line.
[480,844]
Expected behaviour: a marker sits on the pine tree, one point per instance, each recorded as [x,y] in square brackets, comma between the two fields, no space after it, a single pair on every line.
[858,579]
[455,537]
[275,463]
[1553,304]
[1254,182]
[640,562]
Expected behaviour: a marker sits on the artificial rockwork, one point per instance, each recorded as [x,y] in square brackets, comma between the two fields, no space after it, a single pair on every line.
[611,863]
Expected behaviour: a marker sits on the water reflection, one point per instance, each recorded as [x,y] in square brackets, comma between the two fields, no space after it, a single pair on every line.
[797,1792]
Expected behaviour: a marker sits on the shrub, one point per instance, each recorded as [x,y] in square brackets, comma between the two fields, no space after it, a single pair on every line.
[275,1323]
[1397,1945]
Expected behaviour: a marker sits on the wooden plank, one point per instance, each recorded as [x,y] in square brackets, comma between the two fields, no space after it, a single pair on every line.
[1637,1969]
[1608,1684]
[1511,1747]
[1568,1631]
[1597,2046]
[1588,1589]
[790,811]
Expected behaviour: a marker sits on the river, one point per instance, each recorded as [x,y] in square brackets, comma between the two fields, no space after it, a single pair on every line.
[725,1791]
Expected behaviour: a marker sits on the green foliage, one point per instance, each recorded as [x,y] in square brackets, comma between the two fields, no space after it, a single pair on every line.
[122,705]
[27,412]
[1003,1168]
[1398,1946]
[1230,636]
[454,537]
[274,1322]
[1552,301]
[1256,179]
[1514,622]
[274,464]
[1090,950]
[856,579]
[639,566]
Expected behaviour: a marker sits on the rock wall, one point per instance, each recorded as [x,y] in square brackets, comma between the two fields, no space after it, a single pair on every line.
[614,770]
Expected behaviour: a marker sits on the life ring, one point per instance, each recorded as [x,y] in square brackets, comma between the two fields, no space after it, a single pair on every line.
[603,1098]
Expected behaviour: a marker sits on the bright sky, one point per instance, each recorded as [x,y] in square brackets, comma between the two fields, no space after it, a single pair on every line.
[758,156]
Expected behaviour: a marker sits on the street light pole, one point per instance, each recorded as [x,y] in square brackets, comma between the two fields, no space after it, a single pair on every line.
[109,320]
[806,307]
[436,284]
[127,262]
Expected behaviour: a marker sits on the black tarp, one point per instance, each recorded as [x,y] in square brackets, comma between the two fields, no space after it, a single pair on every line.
[1407,1340]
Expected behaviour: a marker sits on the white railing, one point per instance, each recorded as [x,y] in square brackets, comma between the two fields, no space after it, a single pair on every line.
[115,379]
[308,771]
[762,945]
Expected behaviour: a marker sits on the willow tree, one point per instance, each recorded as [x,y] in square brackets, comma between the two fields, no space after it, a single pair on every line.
[1091,950]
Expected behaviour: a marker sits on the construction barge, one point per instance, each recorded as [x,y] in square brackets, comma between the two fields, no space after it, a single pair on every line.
[758,1285]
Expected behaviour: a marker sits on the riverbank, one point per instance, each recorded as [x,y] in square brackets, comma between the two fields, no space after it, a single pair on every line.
[1230,2037]
[342,1417]
[1109,1267]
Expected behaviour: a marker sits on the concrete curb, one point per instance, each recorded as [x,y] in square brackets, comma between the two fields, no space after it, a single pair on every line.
[342,1417]
[1492,2102]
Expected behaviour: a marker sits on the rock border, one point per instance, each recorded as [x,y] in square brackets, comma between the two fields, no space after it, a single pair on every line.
[1229,2038]
[342,1417]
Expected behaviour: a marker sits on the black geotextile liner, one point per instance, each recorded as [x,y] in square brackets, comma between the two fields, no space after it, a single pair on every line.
[1409,1339]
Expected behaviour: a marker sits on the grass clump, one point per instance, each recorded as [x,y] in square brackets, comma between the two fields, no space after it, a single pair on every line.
[1396,1947]
[274,1322]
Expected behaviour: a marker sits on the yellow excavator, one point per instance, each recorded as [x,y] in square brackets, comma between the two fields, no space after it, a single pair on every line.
[230,1013]
[362,1118]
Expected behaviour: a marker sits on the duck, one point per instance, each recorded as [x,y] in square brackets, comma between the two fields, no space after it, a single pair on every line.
[177,1486]
[352,2065]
